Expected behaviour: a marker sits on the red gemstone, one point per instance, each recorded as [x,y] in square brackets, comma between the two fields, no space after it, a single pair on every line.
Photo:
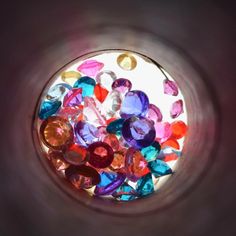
[170,157]
[171,143]
[179,129]
[100,92]
[118,163]
[58,160]
[112,141]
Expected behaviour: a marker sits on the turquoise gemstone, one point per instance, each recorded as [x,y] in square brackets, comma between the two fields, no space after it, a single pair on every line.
[150,153]
[159,168]
[48,108]
[125,193]
[145,185]
[106,179]
[115,126]
[87,84]
[58,92]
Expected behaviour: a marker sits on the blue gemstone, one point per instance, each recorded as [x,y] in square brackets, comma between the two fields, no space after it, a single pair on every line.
[115,126]
[135,103]
[48,108]
[150,153]
[58,91]
[87,84]
[125,193]
[159,168]
[145,185]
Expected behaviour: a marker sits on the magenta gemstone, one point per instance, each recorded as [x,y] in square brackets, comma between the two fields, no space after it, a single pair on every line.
[90,67]
[122,85]
[154,113]
[163,131]
[170,87]
[176,109]
[73,98]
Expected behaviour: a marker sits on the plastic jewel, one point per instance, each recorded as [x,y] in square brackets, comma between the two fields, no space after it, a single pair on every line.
[118,163]
[70,113]
[115,126]
[85,133]
[100,93]
[112,103]
[145,186]
[56,133]
[176,109]
[82,176]
[138,132]
[76,155]
[150,153]
[159,168]
[135,165]
[179,129]
[109,183]
[58,91]
[122,85]
[90,67]
[171,143]
[57,159]
[112,141]
[105,78]
[125,193]
[168,154]
[170,87]
[163,131]
[135,103]
[101,154]
[102,132]
[73,98]
[70,77]
[87,84]
[126,61]
[154,113]
[48,108]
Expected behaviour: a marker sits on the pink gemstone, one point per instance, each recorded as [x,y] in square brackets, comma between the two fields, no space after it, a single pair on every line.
[90,67]
[102,132]
[73,98]
[176,109]
[170,87]
[154,113]
[70,113]
[163,131]
[113,141]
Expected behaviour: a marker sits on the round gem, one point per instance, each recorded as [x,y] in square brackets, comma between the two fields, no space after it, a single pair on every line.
[48,108]
[58,161]
[58,91]
[105,79]
[126,61]
[135,103]
[154,113]
[87,84]
[101,154]
[70,77]
[112,141]
[122,85]
[73,98]
[179,129]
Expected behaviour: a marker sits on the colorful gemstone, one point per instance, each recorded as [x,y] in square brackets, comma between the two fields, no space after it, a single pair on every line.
[170,87]
[122,85]
[58,161]
[135,164]
[102,132]
[154,113]
[163,131]
[168,154]
[125,193]
[118,163]
[101,154]
[58,91]
[112,141]
[179,129]
[135,103]
[90,67]
[100,93]
[138,132]
[85,133]
[150,153]
[73,98]
[105,78]
[109,183]
[126,61]
[70,77]
[159,168]
[87,84]
[115,126]
[48,108]
[176,109]
[70,113]
[112,103]
[56,132]
[145,186]
[171,143]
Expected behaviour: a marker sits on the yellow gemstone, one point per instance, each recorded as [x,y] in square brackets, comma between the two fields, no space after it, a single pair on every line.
[126,61]
[70,77]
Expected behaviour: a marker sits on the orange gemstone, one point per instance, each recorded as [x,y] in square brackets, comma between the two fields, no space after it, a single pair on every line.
[100,92]
[118,162]
[179,129]
[170,157]
[171,143]
[56,132]
[113,141]
[57,160]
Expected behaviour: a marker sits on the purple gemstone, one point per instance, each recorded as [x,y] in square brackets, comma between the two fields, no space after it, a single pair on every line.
[135,104]
[170,87]
[176,109]
[85,133]
[73,98]
[122,85]
[154,113]
[138,132]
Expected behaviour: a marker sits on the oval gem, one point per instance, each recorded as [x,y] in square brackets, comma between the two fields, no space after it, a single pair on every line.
[122,85]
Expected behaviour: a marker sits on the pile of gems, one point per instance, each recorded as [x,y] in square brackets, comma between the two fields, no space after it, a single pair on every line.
[105,138]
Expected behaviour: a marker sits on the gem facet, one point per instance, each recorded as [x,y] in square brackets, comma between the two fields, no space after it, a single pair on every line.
[70,77]
[87,84]
[100,93]
[48,108]
[170,143]
[126,61]
[112,141]
[58,91]
[112,103]
[70,113]
[73,98]
[145,185]
[179,129]
[150,153]
[118,163]
[176,109]
[163,131]
[105,78]
[115,126]
[154,113]
[170,87]
[122,85]
[159,168]
[58,161]
[125,193]
[90,67]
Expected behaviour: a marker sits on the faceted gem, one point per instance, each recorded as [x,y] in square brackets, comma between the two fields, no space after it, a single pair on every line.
[115,126]
[135,103]
[125,193]
[150,153]
[122,85]
[138,132]
[101,154]
[100,93]
[159,168]
[163,131]
[171,143]
[179,129]
[145,186]
[58,160]
[48,108]
[58,91]
[85,133]
[118,163]
[76,155]
[109,183]
[170,157]
[168,154]
[126,61]
[110,120]
[135,164]
[102,132]
[73,98]
[87,84]
[170,87]
[70,77]
[105,78]
[70,113]
[90,67]
[112,103]
[176,109]
[112,141]
[56,132]
[82,176]
[154,113]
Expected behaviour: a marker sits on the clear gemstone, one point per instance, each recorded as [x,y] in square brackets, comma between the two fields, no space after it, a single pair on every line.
[105,79]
